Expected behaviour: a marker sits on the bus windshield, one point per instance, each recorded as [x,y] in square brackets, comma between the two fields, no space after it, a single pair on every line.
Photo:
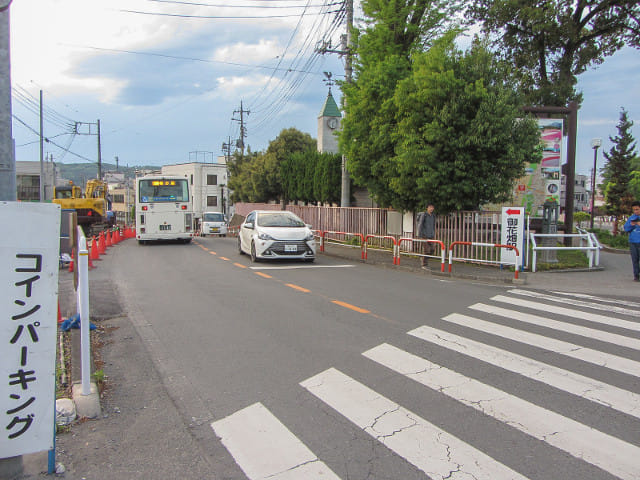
[163,190]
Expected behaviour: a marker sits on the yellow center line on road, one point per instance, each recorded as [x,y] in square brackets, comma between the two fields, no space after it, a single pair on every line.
[352,307]
[264,275]
[297,287]
[224,258]
[240,265]
[213,253]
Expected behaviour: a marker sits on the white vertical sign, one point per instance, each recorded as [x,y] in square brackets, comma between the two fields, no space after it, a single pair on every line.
[512,234]
[29,260]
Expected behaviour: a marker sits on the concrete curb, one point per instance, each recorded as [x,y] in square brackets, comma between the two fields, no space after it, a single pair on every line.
[86,405]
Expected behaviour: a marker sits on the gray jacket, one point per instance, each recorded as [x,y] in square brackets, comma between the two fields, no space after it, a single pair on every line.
[426,225]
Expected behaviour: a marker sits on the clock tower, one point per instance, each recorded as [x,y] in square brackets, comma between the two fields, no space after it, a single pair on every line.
[328,124]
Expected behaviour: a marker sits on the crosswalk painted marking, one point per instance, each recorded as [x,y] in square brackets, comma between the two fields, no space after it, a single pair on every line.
[578,303]
[593,317]
[588,388]
[434,451]
[598,299]
[609,453]
[558,325]
[264,448]
[589,355]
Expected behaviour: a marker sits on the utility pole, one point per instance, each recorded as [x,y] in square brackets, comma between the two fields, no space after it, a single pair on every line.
[226,149]
[7,147]
[346,50]
[77,130]
[99,154]
[243,130]
[41,152]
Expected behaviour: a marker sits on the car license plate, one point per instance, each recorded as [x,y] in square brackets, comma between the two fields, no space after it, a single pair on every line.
[290,248]
[213,230]
[165,227]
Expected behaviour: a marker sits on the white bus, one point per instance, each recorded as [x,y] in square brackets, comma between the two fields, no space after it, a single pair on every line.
[163,209]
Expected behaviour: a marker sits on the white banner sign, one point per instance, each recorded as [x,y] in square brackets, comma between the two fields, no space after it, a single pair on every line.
[512,234]
[29,260]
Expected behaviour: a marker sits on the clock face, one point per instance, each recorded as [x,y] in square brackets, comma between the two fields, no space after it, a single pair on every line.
[332,123]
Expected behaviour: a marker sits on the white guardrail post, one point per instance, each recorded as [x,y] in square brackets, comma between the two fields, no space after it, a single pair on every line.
[83,310]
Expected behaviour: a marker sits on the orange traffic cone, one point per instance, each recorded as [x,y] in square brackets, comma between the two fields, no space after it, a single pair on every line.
[109,243]
[102,248]
[95,254]
[116,236]
[73,254]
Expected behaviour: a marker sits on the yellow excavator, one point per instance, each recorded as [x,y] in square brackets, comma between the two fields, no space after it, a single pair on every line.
[91,207]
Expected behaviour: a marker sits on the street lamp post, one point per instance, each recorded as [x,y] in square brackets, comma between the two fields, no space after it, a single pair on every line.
[595,144]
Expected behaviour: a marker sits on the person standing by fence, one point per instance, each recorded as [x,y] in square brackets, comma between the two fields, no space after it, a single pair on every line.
[632,227]
[426,227]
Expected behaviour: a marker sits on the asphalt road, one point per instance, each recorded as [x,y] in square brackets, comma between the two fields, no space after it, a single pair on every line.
[346,370]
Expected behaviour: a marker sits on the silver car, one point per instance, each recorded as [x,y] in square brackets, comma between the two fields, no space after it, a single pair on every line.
[273,234]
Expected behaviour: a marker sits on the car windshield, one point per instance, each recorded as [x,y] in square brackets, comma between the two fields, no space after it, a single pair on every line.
[213,217]
[279,220]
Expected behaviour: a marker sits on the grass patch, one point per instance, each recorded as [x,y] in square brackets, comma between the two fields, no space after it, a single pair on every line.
[606,238]
[566,259]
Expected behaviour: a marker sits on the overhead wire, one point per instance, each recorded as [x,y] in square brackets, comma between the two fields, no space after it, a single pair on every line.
[286,90]
[48,140]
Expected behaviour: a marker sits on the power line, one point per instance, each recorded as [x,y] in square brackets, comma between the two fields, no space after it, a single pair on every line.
[48,140]
[221,17]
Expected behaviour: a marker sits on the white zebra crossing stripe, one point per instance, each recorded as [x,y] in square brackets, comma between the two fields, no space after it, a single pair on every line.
[609,453]
[558,325]
[616,301]
[437,453]
[578,303]
[624,365]
[593,317]
[588,388]
[264,448]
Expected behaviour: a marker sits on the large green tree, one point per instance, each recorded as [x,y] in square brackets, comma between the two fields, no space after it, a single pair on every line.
[616,172]
[258,178]
[550,42]
[394,30]
[312,177]
[448,129]
[460,140]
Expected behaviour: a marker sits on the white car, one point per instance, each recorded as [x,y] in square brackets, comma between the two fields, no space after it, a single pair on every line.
[213,223]
[276,234]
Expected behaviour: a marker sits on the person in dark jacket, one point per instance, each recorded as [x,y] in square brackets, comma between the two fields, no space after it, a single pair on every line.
[427,229]
[632,226]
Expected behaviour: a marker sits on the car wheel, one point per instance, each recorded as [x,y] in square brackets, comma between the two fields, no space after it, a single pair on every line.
[202,235]
[240,247]
[254,258]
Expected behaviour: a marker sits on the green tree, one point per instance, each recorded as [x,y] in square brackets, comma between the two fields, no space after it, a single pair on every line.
[394,31]
[617,169]
[550,42]
[312,177]
[257,177]
[451,133]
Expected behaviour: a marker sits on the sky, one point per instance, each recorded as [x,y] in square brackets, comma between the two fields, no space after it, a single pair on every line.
[167,78]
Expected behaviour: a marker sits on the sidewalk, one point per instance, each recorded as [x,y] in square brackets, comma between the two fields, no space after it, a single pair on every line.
[614,276]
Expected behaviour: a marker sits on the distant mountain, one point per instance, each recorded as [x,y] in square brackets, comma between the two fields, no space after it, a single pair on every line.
[79,173]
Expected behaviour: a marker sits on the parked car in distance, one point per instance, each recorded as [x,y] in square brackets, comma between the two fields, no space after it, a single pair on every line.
[276,234]
[213,223]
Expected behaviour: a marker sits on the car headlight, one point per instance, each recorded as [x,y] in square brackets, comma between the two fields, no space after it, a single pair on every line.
[265,236]
[309,237]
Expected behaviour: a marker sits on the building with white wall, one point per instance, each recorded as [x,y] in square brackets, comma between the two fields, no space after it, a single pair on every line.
[208,184]
[28,181]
